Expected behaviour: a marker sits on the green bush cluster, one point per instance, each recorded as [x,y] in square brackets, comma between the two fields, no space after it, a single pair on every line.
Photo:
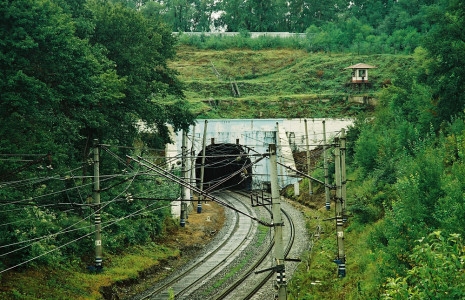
[219,42]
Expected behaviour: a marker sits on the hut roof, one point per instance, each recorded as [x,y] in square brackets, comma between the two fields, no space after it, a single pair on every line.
[361,66]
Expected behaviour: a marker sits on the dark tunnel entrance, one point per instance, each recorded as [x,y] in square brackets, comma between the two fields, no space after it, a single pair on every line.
[221,161]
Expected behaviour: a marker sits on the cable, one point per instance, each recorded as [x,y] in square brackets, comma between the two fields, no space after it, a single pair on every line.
[45,253]
[77,239]
[106,178]
[90,214]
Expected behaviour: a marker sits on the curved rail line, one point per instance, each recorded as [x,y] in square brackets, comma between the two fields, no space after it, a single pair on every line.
[252,268]
[234,240]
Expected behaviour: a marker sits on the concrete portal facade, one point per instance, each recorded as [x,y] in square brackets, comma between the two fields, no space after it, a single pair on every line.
[256,135]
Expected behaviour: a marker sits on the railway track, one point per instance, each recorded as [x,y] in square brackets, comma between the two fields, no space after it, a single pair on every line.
[249,284]
[199,279]
[236,238]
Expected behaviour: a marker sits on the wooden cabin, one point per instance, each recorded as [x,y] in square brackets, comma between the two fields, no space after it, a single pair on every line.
[360,73]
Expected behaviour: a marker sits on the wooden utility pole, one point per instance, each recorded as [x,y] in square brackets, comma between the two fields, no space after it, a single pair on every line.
[183,176]
[202,167]
[340,260]
[310,190]
[278,226]
[97,208]
[325,166]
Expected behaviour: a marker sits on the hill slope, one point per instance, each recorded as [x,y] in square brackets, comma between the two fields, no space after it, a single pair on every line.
[282,83]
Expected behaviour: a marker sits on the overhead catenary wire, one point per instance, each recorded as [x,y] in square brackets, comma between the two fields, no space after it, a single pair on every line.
[163,172]
[99,209]
[63,231]
[213,154]
[69,230]
[73,241]
[105,178]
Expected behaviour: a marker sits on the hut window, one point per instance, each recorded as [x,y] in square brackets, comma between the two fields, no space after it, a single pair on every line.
[361,73]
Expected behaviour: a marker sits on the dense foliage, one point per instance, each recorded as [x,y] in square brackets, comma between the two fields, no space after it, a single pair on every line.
[410,155]
[339,25]
[72,72]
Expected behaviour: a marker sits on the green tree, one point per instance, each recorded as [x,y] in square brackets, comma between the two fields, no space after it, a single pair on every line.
[446,48]
[52,81]
[52,85]
[437,272]
[234,16]
[262,15]
[179,14]
[140,48]
[71,72]
[203,17]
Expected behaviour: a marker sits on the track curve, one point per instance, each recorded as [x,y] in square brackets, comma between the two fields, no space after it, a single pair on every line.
[237,237]
[228,269]
[249,285]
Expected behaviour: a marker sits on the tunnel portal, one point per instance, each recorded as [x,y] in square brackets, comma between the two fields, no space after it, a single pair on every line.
[222,160]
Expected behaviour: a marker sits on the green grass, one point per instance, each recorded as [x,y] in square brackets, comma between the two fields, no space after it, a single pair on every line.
[233,271]
[316,276]
[277,83]
[75,282]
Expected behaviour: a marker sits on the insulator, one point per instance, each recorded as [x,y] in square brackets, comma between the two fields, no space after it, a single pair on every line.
[129,198]
[341,270]
[281,277]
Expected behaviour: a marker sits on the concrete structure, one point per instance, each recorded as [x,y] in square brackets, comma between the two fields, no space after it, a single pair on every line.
[257,134]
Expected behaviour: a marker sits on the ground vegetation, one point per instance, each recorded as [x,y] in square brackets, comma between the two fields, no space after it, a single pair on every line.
[74,71]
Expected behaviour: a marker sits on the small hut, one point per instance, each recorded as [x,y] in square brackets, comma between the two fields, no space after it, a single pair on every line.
[360,73]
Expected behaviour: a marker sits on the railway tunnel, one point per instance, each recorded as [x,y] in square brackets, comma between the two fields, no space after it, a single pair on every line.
[221,162]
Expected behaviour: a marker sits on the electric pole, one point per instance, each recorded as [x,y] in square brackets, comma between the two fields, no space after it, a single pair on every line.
[277,226]
[192,170]
[278,148]
[310,190]
[343,175]
[325,166]
[202,166]
[340,260]
[183,172]
[97,208]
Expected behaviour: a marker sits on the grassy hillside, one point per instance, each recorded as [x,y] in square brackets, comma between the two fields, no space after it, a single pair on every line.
[280,83]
